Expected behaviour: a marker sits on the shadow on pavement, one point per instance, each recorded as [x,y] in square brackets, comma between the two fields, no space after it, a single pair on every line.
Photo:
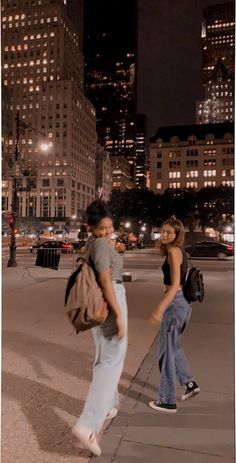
[73,362]
[38,403]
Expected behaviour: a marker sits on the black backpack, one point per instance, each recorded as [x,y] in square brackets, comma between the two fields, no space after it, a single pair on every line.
[193,288]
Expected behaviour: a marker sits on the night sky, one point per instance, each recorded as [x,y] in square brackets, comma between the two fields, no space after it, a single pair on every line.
[169,53]
[169,59]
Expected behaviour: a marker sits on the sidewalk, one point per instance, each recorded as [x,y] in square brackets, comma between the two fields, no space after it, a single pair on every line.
[47,371]
[202,430]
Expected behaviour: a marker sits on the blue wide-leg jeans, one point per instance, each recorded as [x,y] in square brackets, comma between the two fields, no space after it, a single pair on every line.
[107,369]
[172,360]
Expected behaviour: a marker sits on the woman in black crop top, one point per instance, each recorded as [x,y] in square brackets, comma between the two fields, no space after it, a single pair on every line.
[172,315]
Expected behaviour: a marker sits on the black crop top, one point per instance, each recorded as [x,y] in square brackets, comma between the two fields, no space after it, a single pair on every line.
[183,270]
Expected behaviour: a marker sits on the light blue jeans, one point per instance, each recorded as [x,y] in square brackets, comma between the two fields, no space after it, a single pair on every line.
[107,369]
[172,360]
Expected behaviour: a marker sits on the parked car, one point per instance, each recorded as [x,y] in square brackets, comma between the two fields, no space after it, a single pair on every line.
[78,245]
[210,249]
[52,244]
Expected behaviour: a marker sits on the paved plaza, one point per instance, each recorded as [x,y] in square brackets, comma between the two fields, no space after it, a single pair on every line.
[46,371]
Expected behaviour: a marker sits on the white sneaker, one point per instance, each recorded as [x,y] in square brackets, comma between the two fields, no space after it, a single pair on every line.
[87,438]
[112,413]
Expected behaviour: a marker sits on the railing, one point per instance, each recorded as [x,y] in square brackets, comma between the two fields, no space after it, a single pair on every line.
[52,258]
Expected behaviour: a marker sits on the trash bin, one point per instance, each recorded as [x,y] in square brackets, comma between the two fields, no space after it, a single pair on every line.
[48,258]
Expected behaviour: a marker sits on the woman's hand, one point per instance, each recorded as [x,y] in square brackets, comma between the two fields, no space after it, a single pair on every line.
[156,317]
[121,331]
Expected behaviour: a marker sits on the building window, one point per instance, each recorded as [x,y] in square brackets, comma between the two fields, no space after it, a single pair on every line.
[192,163]
[60,182]
[209,184]
[174,185]
[192,153]
[210,162]
[191,185]
[46,182]
[174,174]
[209,173]
[228,183]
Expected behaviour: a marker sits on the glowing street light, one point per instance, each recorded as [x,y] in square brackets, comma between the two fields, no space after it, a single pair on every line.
[44,146]
[21,126]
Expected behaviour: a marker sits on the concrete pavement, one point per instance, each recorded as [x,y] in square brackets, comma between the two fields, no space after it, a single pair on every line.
[202,431]
[47,370]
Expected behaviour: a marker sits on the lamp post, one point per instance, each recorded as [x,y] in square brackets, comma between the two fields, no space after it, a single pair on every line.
[20,128]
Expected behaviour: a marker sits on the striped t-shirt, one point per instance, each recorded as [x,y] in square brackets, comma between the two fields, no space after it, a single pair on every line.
[104,257]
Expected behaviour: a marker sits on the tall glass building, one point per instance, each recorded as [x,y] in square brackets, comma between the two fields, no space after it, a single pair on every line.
[110,51]
[218,47]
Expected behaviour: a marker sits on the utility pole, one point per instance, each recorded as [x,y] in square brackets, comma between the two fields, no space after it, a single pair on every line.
[20,128]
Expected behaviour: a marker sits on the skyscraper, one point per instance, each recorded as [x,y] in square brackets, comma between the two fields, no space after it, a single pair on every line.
[110,51]
[43,71]
[218,43]
[141,151]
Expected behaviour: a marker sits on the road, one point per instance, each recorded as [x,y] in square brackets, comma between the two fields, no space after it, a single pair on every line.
[146,259]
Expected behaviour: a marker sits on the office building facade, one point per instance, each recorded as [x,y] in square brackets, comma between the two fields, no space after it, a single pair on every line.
[141,146]
[43,69]
[103,173]
[192,156]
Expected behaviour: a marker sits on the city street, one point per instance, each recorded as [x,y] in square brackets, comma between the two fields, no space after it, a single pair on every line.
[133,260]
[47,370]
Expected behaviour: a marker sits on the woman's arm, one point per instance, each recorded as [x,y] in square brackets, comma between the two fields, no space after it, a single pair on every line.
[175,258]
[104,279]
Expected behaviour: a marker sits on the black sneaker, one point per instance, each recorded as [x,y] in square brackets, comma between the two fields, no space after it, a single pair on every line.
[191,389]
[160,407]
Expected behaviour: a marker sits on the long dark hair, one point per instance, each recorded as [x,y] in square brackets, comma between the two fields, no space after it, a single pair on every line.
[97,211]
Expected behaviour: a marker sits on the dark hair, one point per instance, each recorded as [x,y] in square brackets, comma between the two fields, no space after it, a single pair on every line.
[97,211]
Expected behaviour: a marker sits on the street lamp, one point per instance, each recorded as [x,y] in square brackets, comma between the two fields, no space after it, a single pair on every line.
[20,128]
[127,225]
